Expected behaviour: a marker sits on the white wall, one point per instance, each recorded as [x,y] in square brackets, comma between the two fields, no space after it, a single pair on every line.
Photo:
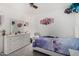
[10,11]
[63,23]
[77,25]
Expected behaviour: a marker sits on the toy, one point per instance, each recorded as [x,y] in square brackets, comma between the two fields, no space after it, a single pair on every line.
[74,7]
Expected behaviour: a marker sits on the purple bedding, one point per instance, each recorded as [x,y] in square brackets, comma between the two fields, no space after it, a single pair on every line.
[59,45]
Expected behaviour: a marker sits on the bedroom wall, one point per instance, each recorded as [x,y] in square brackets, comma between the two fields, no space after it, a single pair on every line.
[63,25]
[10,11]
[77,25]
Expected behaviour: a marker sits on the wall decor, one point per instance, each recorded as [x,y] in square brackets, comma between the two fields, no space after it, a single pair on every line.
[74,7]
[19,32]
[26,24]
[13,22]
[33,5]
[19,25]
[3,33]
[47,21]
[68,11]
[15,33]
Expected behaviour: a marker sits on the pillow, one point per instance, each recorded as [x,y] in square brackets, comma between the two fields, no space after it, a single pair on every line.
[74,52]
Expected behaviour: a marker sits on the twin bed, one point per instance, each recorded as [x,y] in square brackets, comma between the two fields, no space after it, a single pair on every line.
[55,46]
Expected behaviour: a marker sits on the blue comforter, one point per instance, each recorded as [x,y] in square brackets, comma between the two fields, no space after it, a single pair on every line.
[59,45]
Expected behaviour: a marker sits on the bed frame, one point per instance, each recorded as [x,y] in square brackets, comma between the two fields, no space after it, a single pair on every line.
[47,52]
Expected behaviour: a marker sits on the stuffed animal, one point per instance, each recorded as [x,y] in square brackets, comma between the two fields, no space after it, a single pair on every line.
[74,7]
[47,21]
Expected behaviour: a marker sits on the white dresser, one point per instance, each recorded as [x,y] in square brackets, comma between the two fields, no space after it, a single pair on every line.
[14,42]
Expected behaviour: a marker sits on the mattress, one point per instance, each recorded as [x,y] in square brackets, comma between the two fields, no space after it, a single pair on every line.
[58,45]
[47,52]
